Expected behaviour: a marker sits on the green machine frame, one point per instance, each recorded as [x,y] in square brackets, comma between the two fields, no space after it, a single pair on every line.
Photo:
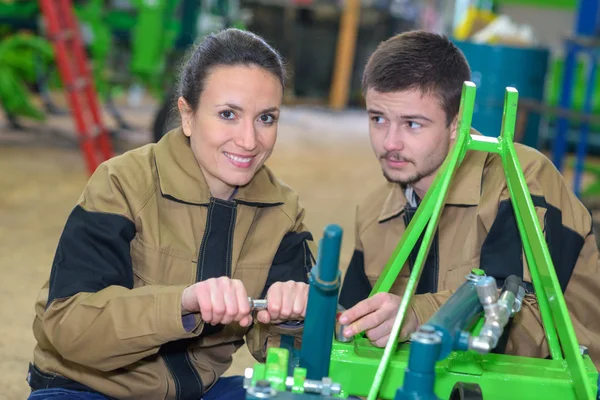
[361,369]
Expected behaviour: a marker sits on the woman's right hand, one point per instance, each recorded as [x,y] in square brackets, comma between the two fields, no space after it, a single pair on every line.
[219,301]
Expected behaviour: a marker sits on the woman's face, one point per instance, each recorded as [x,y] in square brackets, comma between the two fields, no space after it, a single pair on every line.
[233,131]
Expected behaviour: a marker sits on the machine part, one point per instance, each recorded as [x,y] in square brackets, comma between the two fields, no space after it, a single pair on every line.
[325,386]
[257,304]
[466,391]
[456,315]
[356,364]
[273,372]
[322,304]
[497,310]
[262,390]
[584,350]
[248,373]
[276,368]
[419,379]
[339,327]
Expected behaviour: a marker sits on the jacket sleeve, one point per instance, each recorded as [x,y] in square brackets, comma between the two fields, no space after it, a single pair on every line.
[93,315]
[568,230]
[293,261]
[356,285]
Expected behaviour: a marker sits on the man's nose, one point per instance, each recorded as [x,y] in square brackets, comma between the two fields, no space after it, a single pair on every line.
[394,139]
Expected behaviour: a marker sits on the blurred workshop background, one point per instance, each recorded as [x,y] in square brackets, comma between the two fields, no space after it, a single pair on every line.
[547,49]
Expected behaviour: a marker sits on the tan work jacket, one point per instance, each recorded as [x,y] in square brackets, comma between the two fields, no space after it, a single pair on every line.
[477,229]
[109,319]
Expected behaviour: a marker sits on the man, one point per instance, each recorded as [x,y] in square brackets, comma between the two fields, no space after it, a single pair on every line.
[412,85]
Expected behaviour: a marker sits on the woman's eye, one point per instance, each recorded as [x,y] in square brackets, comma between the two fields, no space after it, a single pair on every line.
[227,114]
[267,118]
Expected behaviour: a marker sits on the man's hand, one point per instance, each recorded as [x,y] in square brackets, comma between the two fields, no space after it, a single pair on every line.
[219,301]
[376,315]
[285,301]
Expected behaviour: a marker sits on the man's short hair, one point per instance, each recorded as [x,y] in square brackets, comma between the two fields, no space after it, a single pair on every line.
[419,60]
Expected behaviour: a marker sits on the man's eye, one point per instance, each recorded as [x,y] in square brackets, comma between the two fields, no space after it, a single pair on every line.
[414,125]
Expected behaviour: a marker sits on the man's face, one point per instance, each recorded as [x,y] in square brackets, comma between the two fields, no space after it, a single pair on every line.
[409,135]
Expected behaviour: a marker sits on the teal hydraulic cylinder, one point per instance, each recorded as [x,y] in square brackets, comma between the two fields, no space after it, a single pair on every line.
[419,379]
[319,325]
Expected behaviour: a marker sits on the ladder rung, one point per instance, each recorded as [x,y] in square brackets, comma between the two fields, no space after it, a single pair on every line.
[78,84]
[62,35]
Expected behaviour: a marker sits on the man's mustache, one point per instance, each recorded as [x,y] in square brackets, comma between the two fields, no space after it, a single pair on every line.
[394,156]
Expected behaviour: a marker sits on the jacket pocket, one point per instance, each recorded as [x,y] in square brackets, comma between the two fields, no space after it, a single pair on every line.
[156,266]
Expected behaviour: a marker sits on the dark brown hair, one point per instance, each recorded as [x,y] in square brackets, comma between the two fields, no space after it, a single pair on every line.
[228,47]
[419,60]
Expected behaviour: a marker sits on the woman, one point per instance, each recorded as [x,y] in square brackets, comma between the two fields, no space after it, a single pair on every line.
[148,294]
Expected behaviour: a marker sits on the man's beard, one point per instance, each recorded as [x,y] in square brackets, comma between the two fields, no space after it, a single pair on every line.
[430,168]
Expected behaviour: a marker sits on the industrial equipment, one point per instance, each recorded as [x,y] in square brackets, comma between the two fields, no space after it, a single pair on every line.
[450,357]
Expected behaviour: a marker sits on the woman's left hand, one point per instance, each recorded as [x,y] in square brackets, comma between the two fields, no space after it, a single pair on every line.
[285,301]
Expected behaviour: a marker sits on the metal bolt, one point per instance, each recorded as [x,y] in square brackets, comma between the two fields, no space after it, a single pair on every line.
[257,304]
[248,373]
[326,386]
[262,390]
[583,350]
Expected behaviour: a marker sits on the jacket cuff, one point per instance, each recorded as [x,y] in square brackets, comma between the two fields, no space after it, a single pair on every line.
[424,306]
[170,320]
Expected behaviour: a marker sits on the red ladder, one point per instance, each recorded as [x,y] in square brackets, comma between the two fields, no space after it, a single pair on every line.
[63,31]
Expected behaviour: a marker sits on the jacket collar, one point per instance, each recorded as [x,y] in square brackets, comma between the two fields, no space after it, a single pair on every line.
[465,188]
[181,178]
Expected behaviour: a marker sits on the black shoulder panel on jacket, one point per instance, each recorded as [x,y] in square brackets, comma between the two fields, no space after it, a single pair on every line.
[501,253]
[93,253]
[293,260]
[356,285]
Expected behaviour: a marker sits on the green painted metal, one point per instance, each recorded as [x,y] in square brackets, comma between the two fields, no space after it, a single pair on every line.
[276,368]
[353,365]
[545,281]
[363,369]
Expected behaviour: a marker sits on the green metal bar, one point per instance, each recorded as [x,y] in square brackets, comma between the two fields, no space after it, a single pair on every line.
[520,198]
[436,205]
[484,143]
[548,291]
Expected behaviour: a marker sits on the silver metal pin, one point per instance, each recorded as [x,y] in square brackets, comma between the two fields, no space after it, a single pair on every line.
[257,304]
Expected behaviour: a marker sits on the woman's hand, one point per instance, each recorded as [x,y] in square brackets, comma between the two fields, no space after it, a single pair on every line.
[219,301]
[285,301]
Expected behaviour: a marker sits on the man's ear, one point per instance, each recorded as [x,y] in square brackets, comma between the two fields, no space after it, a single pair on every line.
[186,116]
[453,128]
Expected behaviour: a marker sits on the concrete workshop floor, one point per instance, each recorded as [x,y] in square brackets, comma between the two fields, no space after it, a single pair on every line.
[325,156]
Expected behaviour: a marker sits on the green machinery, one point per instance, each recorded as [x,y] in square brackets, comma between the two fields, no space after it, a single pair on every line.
[130,43]
[449,357]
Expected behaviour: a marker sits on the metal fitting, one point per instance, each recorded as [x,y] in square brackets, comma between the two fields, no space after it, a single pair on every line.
[339,328]
[325,386]
[426,336]
[583,350]
[262,390]
[248,373]
[487,290]
[498,310]
[257,304]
